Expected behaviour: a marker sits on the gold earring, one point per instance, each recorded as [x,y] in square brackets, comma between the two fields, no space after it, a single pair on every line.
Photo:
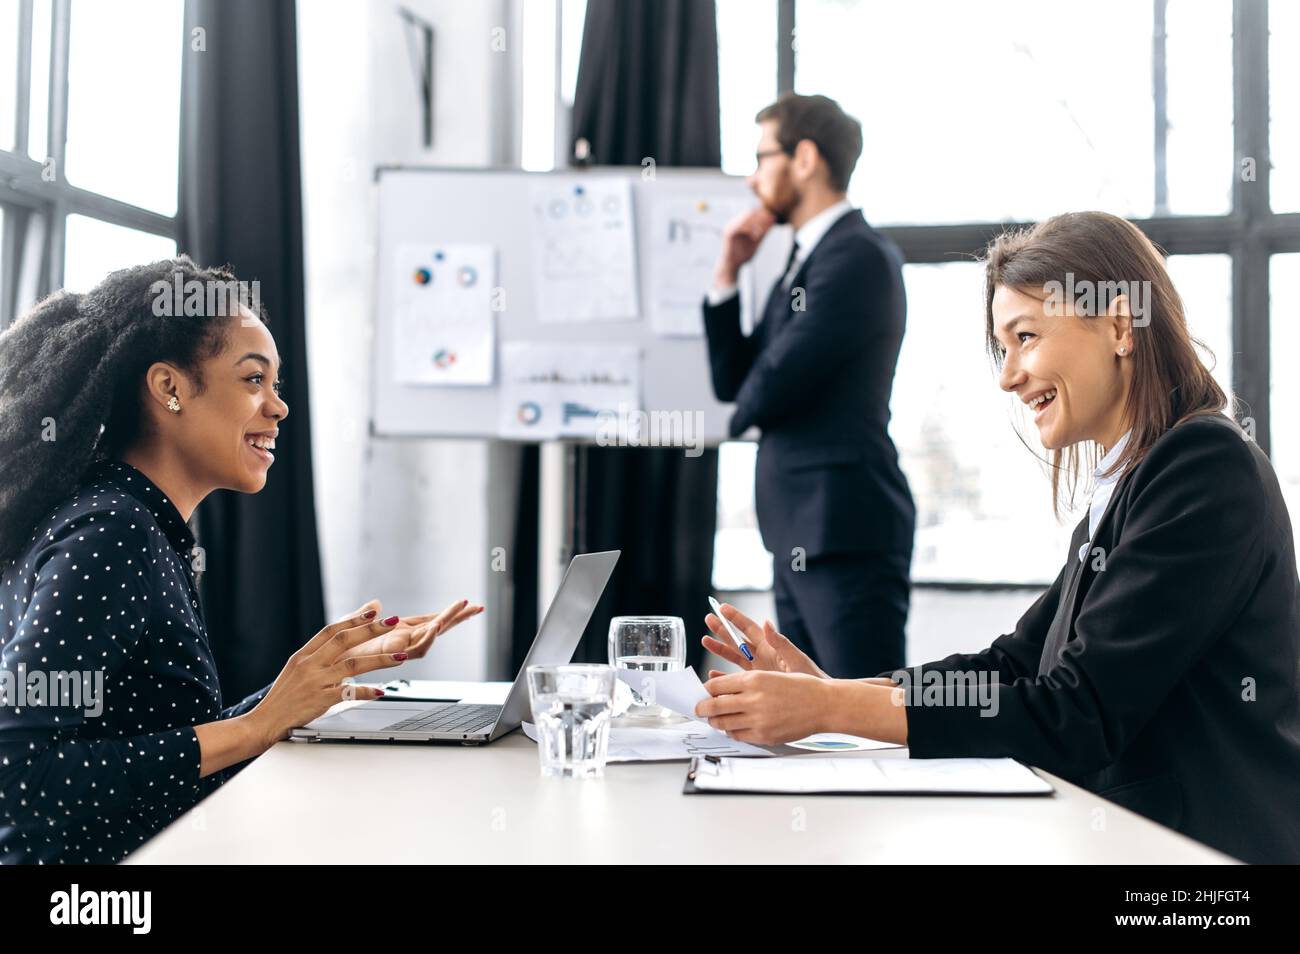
[173,405]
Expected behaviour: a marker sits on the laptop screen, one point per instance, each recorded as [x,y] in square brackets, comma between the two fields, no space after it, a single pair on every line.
[562,628]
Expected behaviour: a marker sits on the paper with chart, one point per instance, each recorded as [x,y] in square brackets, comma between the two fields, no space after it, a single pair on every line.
[884,776]
[584,249]
[685,239]
[678,742]
[444,327]
[564,389]
[840,742]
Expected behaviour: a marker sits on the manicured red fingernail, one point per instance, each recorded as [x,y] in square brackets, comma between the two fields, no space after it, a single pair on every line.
[378,693]
[391,621]
[369,614]
[399,656]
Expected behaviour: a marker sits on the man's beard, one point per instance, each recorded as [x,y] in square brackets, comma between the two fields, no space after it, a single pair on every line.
[781,213]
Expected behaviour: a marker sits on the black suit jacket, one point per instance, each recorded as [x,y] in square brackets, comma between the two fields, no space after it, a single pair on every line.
[1163,672]
[815,376]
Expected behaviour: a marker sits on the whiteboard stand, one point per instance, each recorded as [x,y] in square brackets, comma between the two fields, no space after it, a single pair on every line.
[557,463]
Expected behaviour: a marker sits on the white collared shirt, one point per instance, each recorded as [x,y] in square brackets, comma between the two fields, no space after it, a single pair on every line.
[1105,486]
[807,237]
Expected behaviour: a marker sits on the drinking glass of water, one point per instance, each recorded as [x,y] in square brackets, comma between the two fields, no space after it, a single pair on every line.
[571,709]
[647,644]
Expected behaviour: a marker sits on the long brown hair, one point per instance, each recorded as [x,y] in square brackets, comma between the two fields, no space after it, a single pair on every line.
[1104,253]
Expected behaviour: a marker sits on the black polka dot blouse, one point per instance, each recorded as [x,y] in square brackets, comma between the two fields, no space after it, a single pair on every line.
[105,669]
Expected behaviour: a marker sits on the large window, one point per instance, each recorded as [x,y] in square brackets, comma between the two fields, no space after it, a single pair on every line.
[979,492]
[1284,105]
[747,79]
[552,45]
[89,142]
[1163,111]
[1285,346]
[1045,105]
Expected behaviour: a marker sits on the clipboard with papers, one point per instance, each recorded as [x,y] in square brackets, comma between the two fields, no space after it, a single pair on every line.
[818,775]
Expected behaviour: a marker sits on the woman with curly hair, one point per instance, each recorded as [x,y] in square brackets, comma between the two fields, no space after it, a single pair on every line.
[115,422]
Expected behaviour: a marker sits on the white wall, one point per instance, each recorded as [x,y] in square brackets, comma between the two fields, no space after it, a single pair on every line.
[404,521]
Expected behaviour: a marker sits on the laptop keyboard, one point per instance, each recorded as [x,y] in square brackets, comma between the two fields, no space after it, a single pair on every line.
[451,717]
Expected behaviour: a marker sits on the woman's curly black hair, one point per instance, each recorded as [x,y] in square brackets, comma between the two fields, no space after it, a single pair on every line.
[71,382]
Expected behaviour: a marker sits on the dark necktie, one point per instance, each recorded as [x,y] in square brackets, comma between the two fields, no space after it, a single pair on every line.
[778,300]
[786,274]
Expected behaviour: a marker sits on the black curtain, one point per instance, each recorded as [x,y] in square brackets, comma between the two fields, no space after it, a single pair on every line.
[648,87]
[523,567]
[648,83]
[660,508]
[241,204]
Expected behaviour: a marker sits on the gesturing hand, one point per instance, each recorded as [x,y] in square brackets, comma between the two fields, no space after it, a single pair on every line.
[415,635]
[312,679]
[771,650]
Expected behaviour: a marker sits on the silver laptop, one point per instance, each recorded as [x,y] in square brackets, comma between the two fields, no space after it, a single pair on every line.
[562,627]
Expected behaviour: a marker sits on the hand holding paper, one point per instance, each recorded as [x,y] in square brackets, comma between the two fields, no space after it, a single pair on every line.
[679,690]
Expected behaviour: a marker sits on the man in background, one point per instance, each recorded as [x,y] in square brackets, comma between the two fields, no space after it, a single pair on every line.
[815,377]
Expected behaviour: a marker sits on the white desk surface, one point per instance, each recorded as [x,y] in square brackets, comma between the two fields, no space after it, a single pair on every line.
[438,804]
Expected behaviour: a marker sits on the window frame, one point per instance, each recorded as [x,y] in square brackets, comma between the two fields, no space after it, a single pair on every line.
[37,209]
[1250,233]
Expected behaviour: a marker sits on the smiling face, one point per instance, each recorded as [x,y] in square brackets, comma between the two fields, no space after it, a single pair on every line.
[1068,370]
[225,433]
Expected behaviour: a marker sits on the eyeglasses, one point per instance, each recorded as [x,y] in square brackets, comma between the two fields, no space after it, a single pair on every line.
[763,154]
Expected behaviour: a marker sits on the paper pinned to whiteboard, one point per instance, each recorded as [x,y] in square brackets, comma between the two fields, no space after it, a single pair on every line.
[551,390]
[584,250]
[685,239]
[444,326]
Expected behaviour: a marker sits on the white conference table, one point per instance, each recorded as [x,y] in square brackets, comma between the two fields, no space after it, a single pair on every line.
[438,804]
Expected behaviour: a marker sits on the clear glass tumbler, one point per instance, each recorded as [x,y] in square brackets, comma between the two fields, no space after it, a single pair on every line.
[647,644]
[571,708]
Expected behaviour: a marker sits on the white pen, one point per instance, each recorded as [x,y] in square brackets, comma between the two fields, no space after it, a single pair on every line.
[735,634]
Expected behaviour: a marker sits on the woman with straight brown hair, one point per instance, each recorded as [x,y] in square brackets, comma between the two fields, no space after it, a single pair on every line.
[1161,668]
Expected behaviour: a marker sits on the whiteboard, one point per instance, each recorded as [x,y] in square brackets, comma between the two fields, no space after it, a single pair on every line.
[492,207]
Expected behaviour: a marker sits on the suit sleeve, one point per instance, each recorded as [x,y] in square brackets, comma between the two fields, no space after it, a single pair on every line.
[1183,567]
[1013,655]
[731,351]
[50,766]
[834,325]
